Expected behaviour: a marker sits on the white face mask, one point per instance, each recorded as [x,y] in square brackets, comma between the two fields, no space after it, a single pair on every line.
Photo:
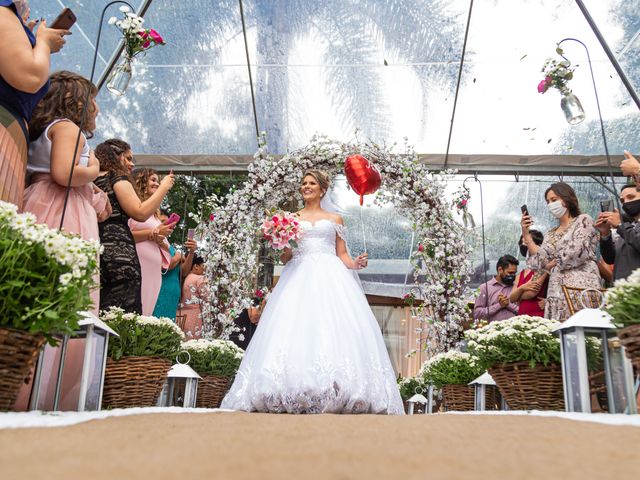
[557,209]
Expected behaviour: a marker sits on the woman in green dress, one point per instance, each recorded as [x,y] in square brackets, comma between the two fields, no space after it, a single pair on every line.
[169,296]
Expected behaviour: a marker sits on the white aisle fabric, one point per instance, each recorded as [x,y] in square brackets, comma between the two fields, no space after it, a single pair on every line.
[318,347]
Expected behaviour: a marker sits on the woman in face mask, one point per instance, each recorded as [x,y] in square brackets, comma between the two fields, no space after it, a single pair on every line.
[568,251]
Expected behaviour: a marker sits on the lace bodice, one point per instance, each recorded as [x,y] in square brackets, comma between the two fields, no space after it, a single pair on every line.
[318,238]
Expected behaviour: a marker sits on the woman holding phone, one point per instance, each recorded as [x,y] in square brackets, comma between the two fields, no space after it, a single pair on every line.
[120,272]
[169,295]
[568,251]
[24,74]
[151,240]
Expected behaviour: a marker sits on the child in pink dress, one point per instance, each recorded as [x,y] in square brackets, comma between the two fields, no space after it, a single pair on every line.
[54,129]
[193,293]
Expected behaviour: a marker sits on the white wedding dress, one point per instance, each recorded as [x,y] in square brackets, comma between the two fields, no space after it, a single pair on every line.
[318,348]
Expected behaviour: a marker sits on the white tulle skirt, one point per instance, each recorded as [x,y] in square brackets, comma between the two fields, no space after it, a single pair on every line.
[317,349]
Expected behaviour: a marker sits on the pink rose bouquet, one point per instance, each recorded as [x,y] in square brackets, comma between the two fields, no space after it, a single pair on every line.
[281,230]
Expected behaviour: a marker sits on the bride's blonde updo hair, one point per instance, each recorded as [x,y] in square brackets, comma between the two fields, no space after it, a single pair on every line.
[321,177]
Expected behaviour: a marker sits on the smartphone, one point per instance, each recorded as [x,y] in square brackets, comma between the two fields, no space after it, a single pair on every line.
[606,205]
[65,20]
[524,210]
[173,218]
[191,233]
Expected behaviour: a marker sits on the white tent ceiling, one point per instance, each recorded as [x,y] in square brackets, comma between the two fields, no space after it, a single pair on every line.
[385,67]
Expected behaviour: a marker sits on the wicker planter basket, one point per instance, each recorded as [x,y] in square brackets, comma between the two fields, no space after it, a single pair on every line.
[458,398]
[211,391]
[526,388]
[630,338]
[18,353]
[134,381]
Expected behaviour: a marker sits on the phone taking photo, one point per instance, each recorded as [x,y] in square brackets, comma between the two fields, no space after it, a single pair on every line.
[606,205]
[173,218]
[191,233]
[524,209]
[65,20]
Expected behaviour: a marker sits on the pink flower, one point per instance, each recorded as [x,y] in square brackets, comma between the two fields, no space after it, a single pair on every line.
[146,44]
[212,217]
[420,247]
[258,293]
[144,34]
[155,36]
[542,86]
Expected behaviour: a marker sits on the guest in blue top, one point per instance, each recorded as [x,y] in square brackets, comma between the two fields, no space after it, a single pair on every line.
[171,288]
[24,75]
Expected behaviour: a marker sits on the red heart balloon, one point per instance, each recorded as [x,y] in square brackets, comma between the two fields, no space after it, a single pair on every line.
[362,175]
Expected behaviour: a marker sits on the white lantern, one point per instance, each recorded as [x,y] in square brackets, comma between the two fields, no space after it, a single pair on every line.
[419,403]
[181,387]
[590,351]
[480,387]
[71,376]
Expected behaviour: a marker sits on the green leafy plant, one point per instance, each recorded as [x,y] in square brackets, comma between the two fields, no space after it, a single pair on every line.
[451,368]
[45,275]
[409,386]
[141,336]
[623,301]
[517,339]
[214,357]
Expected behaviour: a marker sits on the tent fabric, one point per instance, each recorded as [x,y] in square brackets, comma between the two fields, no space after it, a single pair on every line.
[508,164]
[365,69]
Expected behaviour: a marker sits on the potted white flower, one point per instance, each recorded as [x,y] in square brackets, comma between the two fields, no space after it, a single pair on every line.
[451,372]
[45,280]
[139,359]
[217,362]
[523,356]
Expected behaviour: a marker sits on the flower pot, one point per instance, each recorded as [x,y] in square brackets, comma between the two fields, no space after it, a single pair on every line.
[120,77]
[526,388]
[458,398]
[211,391]
[18,354]
[572,108]
[630,339]
[134,381]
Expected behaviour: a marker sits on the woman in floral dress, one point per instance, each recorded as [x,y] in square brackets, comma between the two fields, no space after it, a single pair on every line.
[568,250]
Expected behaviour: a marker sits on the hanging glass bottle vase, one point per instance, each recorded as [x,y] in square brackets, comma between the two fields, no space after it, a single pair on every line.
[572,108]
[120,77]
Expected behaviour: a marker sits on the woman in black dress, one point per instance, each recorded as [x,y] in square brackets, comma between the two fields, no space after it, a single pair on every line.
[120,277]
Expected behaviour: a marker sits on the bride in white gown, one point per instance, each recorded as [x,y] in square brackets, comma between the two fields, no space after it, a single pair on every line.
[318,347]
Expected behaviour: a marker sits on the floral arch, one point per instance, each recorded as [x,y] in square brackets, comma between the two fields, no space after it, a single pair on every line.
[440,264]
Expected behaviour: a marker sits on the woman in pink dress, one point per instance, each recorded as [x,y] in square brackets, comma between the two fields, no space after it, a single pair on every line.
[151,241]
[192,295]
